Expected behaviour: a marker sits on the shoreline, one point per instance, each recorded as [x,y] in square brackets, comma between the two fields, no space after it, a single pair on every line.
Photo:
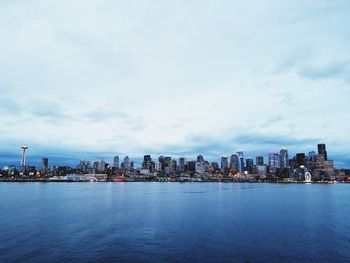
[168,181]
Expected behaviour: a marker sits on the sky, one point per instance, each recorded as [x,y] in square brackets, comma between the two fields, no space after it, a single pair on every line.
[89,79]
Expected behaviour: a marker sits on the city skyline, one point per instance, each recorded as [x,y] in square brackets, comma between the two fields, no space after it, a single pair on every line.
[315,166]
[242,157]
[86,80]
[75,157]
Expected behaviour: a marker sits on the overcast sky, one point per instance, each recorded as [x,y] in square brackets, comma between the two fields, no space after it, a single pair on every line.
[93,78]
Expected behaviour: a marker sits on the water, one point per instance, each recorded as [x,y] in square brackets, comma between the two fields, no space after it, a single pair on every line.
[174,222]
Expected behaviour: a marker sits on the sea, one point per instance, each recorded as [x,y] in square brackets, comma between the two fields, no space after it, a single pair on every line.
[174,222]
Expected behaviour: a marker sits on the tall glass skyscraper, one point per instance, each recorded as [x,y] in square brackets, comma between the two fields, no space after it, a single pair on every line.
[241,162]
[234,163]
[322,150]
[116,162]
[274,160]
[224,163]
[284,158]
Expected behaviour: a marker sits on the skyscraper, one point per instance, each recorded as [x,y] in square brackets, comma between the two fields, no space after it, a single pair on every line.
[147,163]
[284,158]
[200,158]
[116,162]
[274,160]
[300,159]
[322,150]
[224,163]
[311,162]
[250,165]
[240,162]
[44,164]
[182,163]
[260,160]
[161,160]
[234,163]
[127,163]
[102,166]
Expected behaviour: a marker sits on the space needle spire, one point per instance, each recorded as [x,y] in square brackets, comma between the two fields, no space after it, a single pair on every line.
[23,161]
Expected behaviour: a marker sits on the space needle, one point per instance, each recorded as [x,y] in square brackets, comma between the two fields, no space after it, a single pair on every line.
[23,161]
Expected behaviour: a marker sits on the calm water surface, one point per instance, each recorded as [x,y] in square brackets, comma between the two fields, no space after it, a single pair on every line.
[174,222]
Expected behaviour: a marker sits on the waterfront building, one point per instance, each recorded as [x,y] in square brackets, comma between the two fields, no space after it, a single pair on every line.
[240,162]
[284,158]
[260,160]
[322,150]
[224,163]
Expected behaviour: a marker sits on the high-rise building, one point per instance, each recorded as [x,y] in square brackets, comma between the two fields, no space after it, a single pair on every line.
[173,165]
[322,150]
[200,158]
[167,162]
[310,163]
[200,167]
[224,163]
[116,162]
[191,166]
[234,163]
[300,159]
[260,160]
[127,164]
[274,160]
[284,160]
[319,162]
[182,163]
[147,163]
[44,164]
[240,162]
[85,166]
[329,168]
[102,166]
[95,166]
[250,165]
[161,160]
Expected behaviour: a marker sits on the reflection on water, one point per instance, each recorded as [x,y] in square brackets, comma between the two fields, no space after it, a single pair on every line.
[174,222]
